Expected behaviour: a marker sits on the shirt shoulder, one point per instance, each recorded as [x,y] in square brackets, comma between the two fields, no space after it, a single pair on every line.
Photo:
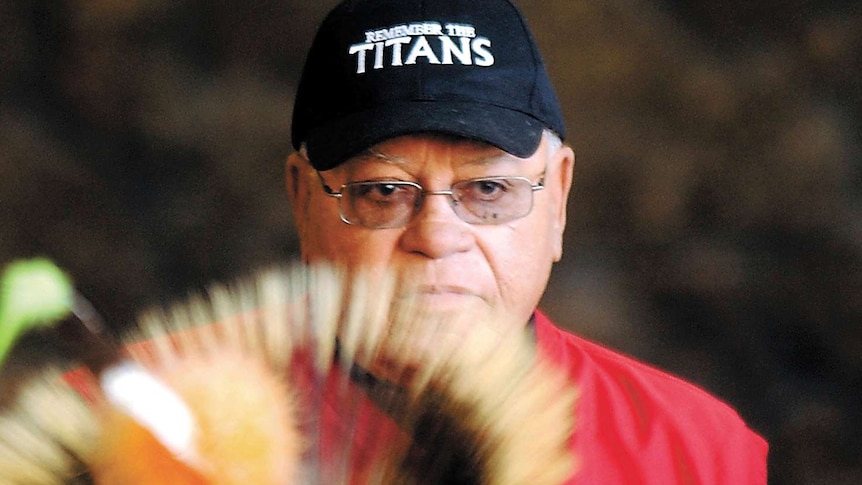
[638,424]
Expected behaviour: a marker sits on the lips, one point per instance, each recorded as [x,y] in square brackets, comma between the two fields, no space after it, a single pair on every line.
[432,290]
[444,290]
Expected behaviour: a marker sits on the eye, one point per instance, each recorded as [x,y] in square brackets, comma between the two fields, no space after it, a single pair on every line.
[381,191]
[486,190]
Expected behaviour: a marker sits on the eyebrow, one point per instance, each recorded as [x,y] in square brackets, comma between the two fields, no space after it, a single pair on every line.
[374,154]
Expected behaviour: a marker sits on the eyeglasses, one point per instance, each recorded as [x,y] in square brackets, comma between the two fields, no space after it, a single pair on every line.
[394,203]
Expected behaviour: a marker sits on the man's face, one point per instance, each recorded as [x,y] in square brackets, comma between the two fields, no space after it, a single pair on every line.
[448,262]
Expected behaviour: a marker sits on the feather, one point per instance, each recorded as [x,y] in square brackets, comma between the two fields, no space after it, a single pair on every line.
[300,374]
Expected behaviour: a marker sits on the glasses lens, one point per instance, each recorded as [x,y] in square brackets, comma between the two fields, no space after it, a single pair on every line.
[493,200]
[379,204]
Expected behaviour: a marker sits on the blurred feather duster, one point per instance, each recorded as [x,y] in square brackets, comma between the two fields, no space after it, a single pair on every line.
[295,375]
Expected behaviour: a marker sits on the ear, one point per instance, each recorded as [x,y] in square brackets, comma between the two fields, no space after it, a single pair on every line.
[564,160]
[296,183]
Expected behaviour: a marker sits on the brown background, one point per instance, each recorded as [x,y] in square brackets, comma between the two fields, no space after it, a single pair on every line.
[715,225]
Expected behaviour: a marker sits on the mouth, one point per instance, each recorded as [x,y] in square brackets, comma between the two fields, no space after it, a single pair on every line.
[440,289]
[443,290]
[441,295]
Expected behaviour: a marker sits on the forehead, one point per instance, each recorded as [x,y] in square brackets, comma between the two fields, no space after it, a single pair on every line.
[424,150]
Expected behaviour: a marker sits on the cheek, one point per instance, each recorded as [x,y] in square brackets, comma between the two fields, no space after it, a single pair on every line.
[549,230]
[520,259]
[328,238]
[532,242]
[320,234]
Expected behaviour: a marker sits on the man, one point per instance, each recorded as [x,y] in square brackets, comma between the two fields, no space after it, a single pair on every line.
[428,141]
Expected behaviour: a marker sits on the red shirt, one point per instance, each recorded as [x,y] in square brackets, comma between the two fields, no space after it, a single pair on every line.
[639,425]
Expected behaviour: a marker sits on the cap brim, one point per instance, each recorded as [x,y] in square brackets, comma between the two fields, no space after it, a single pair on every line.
[512,131]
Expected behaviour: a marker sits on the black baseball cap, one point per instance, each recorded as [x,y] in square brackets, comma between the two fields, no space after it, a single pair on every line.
[378,69]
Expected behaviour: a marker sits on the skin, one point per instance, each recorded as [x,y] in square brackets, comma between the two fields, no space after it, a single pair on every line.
[447,262]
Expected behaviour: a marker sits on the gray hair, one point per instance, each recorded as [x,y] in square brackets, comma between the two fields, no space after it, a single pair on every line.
[554,141]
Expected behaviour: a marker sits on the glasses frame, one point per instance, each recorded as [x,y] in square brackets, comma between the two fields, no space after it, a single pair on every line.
[534,187]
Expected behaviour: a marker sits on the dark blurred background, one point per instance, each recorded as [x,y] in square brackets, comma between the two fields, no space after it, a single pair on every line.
[715,226]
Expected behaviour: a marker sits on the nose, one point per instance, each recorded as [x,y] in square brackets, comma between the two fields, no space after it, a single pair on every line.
[436,231]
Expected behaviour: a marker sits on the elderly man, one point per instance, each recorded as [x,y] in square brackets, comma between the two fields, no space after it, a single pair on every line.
[429,142]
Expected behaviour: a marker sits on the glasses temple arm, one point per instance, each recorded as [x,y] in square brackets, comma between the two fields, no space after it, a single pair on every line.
[326,188]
